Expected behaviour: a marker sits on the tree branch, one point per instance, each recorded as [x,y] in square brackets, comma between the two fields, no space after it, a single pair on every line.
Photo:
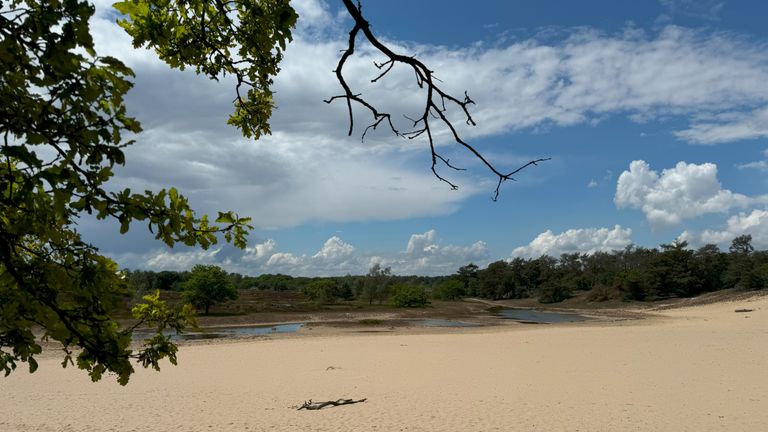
[309,405]
[436,102]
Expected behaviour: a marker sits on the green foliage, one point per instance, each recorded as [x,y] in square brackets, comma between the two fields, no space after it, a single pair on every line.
[155,313]
[632,286]
[742,245]
[634,273]
[467,275]
[377,284]
[449,289]
[406,296]
[242,39]
[554,292]
[327,290]
[208,285]
[62,121]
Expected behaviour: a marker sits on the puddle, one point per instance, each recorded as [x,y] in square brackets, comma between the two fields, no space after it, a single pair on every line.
[539,317]
[229,332]
[442,323]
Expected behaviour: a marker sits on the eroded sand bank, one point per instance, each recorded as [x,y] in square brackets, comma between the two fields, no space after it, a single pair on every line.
[695,369]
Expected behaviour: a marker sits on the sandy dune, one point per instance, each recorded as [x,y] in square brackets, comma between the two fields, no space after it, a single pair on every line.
[697,369]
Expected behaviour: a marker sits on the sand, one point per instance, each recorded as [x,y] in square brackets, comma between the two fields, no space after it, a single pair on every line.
[695,369]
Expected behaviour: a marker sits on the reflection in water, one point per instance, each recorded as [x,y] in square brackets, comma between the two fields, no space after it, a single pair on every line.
[223,332]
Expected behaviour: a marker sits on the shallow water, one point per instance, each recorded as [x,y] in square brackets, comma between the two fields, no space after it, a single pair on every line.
[539,317]
[442,323]
[223,332]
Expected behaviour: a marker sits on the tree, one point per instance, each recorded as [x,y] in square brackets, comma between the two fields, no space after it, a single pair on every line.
[744,271]
[449,289]
[468,276]
[62,121]
[208,285]
[327,290]
[742,245]
[405,296]
[377,283]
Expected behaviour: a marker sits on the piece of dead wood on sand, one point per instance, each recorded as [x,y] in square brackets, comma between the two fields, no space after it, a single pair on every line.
[309,405]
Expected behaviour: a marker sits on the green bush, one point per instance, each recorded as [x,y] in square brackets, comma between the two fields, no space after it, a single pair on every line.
[408,296]
[327,291]
[449,289]
[554,293]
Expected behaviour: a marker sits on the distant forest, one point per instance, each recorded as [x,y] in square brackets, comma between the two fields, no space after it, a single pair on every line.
[634,273]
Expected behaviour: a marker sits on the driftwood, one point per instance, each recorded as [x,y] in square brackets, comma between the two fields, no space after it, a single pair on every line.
[744,310]
[309,405]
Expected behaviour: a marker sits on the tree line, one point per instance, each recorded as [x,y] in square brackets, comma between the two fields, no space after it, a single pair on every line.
[632,274]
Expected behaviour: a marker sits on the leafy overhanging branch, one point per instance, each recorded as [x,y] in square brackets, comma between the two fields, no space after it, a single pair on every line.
[436,102]
[59,99]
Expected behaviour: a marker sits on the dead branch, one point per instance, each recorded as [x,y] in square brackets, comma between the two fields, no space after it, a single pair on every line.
[436,102]
[309,405]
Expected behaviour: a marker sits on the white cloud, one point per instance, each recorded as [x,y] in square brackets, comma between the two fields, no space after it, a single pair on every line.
[761,165]
[163,259]
[582,240]
[424,255]
[683,192]
[312,13]
[704,9]
[592,184]
[333,250]
[754,223]
[733,127]
[309,170]
[259,252]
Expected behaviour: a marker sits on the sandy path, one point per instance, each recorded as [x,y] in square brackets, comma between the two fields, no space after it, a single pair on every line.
[696,369]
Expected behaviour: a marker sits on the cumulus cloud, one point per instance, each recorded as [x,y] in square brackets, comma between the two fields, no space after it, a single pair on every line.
[683,192]
[164,259]
[754,223]
[581,240]
[424,254]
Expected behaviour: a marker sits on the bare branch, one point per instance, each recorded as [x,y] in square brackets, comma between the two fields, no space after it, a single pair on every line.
[309,405]
[436,102]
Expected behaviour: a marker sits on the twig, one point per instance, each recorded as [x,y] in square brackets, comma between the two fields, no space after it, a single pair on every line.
[309,405]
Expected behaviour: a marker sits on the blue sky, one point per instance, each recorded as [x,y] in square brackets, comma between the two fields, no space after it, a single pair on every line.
[655,115]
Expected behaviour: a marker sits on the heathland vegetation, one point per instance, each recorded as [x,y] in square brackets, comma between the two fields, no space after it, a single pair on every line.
[632,274]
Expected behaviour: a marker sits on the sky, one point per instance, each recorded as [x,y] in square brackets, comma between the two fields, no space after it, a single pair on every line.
[654,115]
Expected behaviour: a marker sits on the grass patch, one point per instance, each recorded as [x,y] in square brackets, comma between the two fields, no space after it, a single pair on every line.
[371,322]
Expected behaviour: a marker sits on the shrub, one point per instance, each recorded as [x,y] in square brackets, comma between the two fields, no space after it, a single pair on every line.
[449,289]
[554,293]
[601,293]
[408,296]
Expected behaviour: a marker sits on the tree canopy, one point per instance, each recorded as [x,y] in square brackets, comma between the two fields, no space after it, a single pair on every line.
[208,285]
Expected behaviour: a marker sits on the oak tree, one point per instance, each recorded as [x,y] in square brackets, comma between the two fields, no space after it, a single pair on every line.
[208,285]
